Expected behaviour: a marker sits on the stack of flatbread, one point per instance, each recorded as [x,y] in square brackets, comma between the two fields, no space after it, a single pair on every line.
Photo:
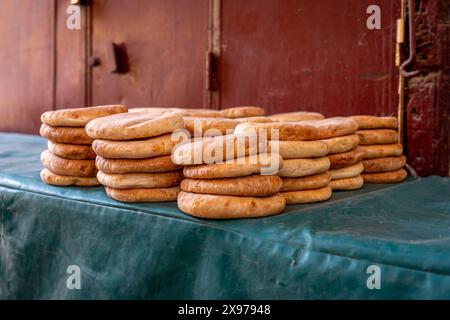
[70,160]
[224,179]
[134,156]
[384,159]
[304,173]
[343,152]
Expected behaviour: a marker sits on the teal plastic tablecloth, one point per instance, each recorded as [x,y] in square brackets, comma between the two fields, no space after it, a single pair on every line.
[154,251]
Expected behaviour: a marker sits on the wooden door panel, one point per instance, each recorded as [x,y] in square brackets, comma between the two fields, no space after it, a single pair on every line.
[70,59]
[166,43]
[26,63]
[312,55]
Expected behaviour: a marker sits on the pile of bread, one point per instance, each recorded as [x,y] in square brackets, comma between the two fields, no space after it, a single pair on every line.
[383,158]
[231,163]
[70,160]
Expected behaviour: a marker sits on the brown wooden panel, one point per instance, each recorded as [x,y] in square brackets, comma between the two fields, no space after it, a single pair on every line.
[70,60]
[311,55]
[26,63]
[166,43]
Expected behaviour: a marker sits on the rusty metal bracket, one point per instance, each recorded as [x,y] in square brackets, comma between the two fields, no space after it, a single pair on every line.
[412,43]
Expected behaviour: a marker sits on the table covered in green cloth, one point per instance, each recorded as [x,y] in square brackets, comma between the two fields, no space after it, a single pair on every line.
[392,237]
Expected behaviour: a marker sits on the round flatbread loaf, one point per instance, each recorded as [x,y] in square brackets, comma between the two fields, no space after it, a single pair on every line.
[384,164]
[345,159]
[250,186]
[214,149]
[333,127]
[140,180]
[242,112]
[385,177]
[307,196]
[347,172]
[71,135]
[68,167]
[352,183]
[149,165]
[229,207]
[261,163]
[200,127]
[316,181]
[71,151]
[342,144]
[135,149]
[377,136]
[382,150]
[79,117]
[206,113]
[292,131]
[129,126]
[59,180]
[143,195]
[372,122]
[157,110]
[298,149]
[261,119]
[303,167]
[296,116]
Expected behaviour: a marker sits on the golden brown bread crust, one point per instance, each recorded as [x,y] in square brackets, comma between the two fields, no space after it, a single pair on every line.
[71,135]
[209,126]
[129,126]
[241,167]
[299,149]
[384,164]
[347,172]
[345,159]
[333,127]
[261,119]
[207,113]
[293,131]
[134,149]
[352,183]
[250,186]
[140,180]
[59,180]
[382,150]
[242,112]
[385,177]
[303,167]
[307,196]
[296,116]
[377,136]
[316,181]
[71,151]
[68,167]
[231,147]
[372,122]
[342,144]
[79,117]
[143,195]
[149,165]
[229,207]
[156,110]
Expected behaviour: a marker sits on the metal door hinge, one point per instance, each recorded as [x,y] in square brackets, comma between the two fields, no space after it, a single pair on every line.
[211,74]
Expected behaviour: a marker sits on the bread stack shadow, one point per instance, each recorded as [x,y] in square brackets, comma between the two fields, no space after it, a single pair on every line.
[134,156]
[70,160]
[383,160]
[224,178]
